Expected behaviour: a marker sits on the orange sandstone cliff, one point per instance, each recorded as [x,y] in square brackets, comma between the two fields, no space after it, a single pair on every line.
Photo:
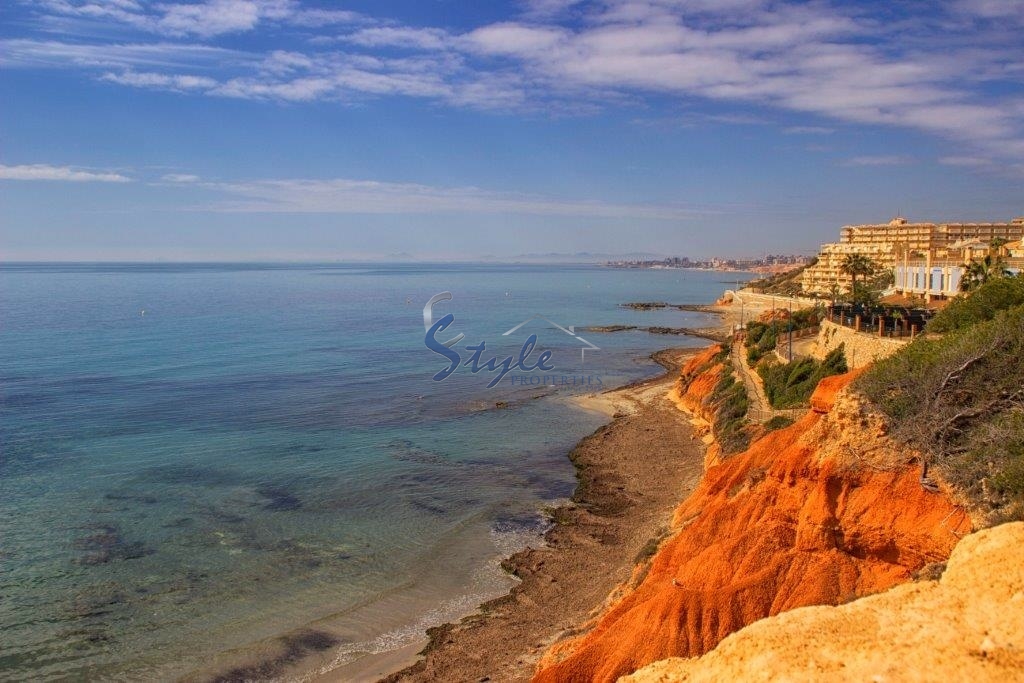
[818,513]
[967,626]
[698,378]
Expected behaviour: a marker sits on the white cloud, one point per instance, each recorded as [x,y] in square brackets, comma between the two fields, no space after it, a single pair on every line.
[24,52]
[204,19]
[879,160]
[808,130]
[213,17]
[514,39]
[181,82]
[968,161]
[827,59]
[315,18]
[402,37]
[180,178]
[62,173]
[992,9]
[546,9]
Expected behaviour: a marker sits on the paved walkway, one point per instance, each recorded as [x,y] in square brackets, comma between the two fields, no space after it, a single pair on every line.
[759,409]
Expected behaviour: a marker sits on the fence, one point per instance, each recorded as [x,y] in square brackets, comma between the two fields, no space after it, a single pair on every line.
[879,324]
[758,415]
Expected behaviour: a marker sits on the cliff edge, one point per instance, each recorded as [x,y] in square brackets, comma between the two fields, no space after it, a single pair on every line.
[818,513]
[967,626]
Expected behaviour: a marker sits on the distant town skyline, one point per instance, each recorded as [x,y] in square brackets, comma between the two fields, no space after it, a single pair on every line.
[281,130]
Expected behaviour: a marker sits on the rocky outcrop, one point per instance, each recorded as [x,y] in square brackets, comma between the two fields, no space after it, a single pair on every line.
[692,393]
[967,626]
[697,379]
[798,519]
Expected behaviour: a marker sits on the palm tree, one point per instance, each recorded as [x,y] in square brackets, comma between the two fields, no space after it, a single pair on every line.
[980,271]
[854,265]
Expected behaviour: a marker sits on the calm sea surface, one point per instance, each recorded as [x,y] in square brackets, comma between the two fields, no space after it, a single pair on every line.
[196,459]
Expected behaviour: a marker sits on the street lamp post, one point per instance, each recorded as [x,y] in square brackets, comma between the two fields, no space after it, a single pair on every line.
[790,330]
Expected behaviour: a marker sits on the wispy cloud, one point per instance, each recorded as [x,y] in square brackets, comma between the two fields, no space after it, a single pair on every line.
[180,178]
[826,59]
[966,161]
[349,196]
[204,19]
[161,81]
[808,130]
[880,160]
[64,173]
[27,52]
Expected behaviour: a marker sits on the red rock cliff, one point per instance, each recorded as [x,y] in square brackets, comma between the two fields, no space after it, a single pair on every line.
[786,524]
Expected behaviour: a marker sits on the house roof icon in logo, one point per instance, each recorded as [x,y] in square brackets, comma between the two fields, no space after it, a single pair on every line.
[570,330]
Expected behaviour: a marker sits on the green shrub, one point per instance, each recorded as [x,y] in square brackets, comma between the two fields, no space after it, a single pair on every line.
[729,400]
[790,385]
[980,305]
[960,400]
[761,338]
[778,422]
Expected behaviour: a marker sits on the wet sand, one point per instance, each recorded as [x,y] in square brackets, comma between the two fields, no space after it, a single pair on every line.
[632,472]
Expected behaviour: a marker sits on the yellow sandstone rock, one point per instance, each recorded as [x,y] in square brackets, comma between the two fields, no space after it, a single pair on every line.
[967,626]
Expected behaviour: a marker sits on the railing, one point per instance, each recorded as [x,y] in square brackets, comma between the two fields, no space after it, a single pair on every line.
[878,324]
[758,415]
[884,327]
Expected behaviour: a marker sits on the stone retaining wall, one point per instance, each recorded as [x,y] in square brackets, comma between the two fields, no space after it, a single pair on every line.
[860,348]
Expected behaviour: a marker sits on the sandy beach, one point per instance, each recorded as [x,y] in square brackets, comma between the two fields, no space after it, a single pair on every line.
[632,472]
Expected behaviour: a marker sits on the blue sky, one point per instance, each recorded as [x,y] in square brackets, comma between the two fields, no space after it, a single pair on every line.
[290,129]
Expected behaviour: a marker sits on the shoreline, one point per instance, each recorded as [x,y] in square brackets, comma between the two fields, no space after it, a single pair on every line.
[631,474]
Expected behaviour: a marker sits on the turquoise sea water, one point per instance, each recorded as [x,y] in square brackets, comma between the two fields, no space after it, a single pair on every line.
[195,459]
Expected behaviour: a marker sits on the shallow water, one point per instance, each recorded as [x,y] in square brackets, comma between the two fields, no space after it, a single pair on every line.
[196,458]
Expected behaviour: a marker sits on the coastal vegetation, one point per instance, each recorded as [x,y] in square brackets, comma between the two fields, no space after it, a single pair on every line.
[724,398]
[762,337]
[857,265]
[778,422]
[790,385]
[982,270]
[784,284]
[959,398]
[730,403]
[982,304]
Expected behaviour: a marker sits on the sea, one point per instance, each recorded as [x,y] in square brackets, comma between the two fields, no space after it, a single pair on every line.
[201,464]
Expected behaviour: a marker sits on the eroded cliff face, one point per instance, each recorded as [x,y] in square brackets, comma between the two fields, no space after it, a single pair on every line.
[800,518]
[697,379]
[968,626]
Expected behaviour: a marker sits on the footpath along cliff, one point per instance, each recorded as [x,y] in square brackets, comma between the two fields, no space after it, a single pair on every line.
[818,513]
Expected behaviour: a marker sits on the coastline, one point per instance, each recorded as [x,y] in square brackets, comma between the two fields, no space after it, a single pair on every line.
[631,473]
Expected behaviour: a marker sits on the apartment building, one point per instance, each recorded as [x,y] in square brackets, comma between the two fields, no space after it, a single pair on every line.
[899,241]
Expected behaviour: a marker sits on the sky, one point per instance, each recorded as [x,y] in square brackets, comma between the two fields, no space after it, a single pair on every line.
[436,129]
